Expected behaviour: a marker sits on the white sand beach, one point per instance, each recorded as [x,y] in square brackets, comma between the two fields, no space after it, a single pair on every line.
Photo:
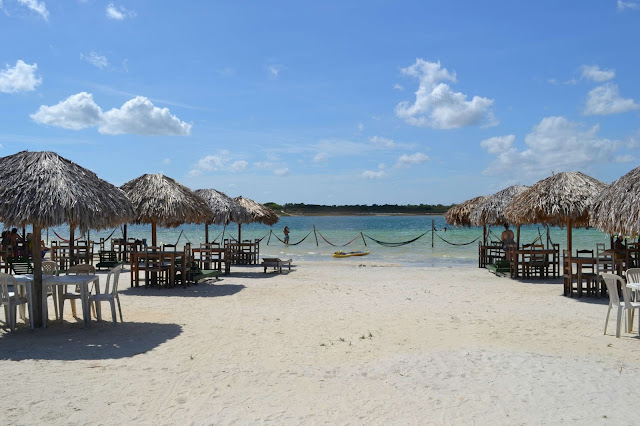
[339,342]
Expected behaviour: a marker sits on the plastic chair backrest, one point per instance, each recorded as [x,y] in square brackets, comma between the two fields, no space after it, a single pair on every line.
[633,275]
[115,273]
[5,281]
[82,269]
[611,281]
[49,267]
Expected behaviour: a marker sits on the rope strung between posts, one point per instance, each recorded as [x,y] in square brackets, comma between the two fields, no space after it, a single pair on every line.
[216,238]
[267,234]
[458,244]
[293,244]
[178,240]
[336,245]
[63,239]
[112,232]
[396,244]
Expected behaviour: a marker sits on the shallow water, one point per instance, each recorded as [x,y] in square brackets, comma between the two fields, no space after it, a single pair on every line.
[339,230]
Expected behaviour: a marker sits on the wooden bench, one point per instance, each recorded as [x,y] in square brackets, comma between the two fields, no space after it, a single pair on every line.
[276,263]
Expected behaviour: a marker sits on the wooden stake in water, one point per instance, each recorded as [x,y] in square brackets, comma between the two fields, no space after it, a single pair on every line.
[432,226]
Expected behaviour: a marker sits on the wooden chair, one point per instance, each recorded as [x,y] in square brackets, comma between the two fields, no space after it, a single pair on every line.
[568,277]
[589,277]
[538,261]
[155,270]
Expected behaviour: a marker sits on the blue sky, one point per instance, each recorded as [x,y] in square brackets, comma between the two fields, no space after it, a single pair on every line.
[328,102]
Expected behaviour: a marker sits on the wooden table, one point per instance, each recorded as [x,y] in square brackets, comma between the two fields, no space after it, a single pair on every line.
[487,254]
[207,256]
[243,253]
[125,248]
[554,263]
[170,256]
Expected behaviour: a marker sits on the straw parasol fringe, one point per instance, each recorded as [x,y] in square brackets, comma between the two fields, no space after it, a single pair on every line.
[555,200]
[47,190]
[225,209]
[617,209]
[160,200]
[491,211]
[458,215]
[259,213]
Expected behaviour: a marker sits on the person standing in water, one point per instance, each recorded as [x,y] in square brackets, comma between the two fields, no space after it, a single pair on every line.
[286,234]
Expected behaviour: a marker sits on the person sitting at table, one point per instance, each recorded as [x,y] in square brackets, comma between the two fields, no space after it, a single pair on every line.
[15,238]
[508,244]
[618,245]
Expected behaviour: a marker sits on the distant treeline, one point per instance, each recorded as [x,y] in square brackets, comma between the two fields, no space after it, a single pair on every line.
[301,209]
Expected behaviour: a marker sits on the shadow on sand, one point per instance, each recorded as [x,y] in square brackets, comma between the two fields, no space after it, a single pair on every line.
[70,342]
[203,289]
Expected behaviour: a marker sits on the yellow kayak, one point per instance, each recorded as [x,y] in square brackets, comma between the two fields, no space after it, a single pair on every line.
[350,253]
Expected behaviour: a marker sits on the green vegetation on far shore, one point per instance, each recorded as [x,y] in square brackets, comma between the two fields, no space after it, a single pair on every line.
[301,209]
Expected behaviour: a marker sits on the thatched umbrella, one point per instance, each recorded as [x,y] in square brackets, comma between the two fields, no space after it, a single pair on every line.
[259,213]
[561,199]
[225,209]
[617,209]
[44,190]
[491,211]
[458,215]
[160,200]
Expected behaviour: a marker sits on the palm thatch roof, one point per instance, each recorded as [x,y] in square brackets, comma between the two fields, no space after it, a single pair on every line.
[259,213]
[225,209]
[458,215]
[161,200]
[45,189]
[617,209]
[491,211]
[557,200]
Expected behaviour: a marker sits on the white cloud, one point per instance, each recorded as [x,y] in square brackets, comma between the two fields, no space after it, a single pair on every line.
[633,4]
[320,157]
[439,107]
[382,142]
[594,73]
[370,174]
[221,162]
[76,112]
[360,127]
[498,144]
[21,78]
[606,99]
[96,60]
[137,116]
[554,144]
[37,6]
[274,71]
[624,158]
[119,13]
[406,160]
[238,166]
[398,86]
[281,172]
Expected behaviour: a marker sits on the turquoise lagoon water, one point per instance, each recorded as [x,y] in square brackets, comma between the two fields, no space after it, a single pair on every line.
[339,230]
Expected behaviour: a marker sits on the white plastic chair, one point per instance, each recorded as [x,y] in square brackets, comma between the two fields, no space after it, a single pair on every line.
[49,267]
[82,269]
[110,295]
[611,281]
[633,277]
[10,300]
